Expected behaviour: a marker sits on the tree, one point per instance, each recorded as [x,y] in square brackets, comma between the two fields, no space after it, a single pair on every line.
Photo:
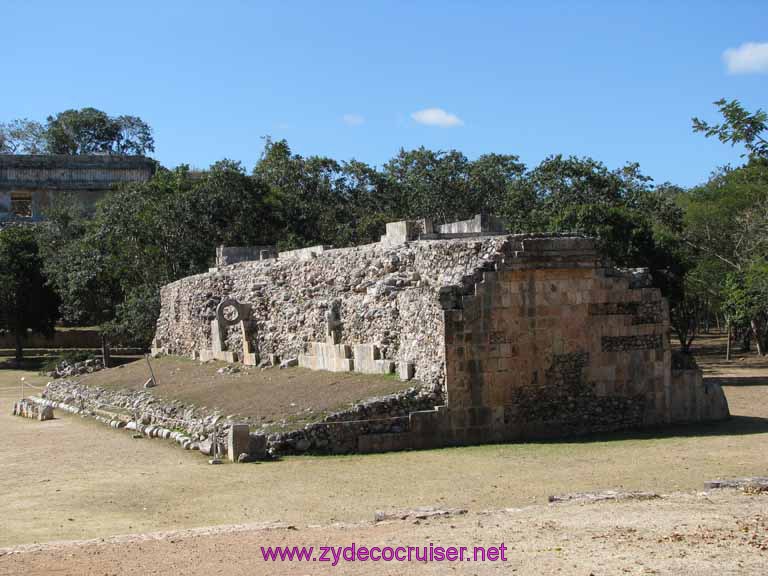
[739,127]
[27,302]
[22,136]
[109,268]
[71,265]
[91,131]
[727,219]
[363,189]
[306,196]
[134,136]
[86,131]
[424,183]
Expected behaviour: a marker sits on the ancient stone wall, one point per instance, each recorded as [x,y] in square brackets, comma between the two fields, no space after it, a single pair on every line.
[553,343]
[480,224]
[196,428]
[388,297]
[28,182]
[523,336]
[29,409]
[226,255]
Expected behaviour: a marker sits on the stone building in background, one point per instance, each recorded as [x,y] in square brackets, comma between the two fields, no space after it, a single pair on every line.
[508,336]
[29,182]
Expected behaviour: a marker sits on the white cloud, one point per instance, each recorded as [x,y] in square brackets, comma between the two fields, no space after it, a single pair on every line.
[353,119]
[749,58]
[437,117]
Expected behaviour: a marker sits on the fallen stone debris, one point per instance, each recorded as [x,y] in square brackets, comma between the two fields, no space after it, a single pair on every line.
[753,485]
[421,513]
[602,496]
[67,369]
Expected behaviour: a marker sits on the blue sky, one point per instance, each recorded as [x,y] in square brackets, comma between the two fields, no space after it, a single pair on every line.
[618,81]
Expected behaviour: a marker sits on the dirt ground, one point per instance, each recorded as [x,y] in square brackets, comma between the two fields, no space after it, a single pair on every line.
[72,479]
[718,533]
[295,394]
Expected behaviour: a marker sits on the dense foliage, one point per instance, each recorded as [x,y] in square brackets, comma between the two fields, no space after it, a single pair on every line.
[84,131]
[27,302]
[109,266]
[706,248]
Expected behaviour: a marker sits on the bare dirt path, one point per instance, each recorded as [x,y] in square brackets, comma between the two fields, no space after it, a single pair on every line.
[719,533]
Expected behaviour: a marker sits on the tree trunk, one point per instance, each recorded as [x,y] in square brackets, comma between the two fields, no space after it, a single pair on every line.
[19,346]
[746,340]
[682,337]
[106,355]
[728,344]
[689,341]
[756,333]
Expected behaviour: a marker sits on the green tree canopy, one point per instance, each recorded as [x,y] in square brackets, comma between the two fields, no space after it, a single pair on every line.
[738,127]
[22,136]
[91,131]
[27,302]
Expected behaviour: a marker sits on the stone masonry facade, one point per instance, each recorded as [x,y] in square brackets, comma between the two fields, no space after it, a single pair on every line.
[513,336]
[29,182]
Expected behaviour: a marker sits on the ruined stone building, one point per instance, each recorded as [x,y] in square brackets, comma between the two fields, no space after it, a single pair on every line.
[510,336]
[28,182]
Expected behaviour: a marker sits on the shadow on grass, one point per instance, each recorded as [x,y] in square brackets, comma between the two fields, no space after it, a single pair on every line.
[46,361]
[733,426]
[30,363]
[726,381]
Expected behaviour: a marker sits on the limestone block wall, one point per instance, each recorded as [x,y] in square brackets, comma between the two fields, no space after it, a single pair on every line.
[480,224]
[32,179]
[65,172]
[226,255]
[303,253]
[553,343]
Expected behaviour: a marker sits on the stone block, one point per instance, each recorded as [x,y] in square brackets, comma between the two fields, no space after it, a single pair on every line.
[367,360]
[398,233]
[303,253]
[238,441]
[206,355]
[342,365]
[364,353]
[308,361]
[28,409]
[406,370]
[225,356]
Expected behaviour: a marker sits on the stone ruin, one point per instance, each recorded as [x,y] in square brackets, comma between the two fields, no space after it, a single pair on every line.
[238,315]
[27,408]
[516,336]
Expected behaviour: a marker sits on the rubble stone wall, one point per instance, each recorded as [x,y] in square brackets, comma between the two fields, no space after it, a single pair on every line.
[197,428]
[387,296]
